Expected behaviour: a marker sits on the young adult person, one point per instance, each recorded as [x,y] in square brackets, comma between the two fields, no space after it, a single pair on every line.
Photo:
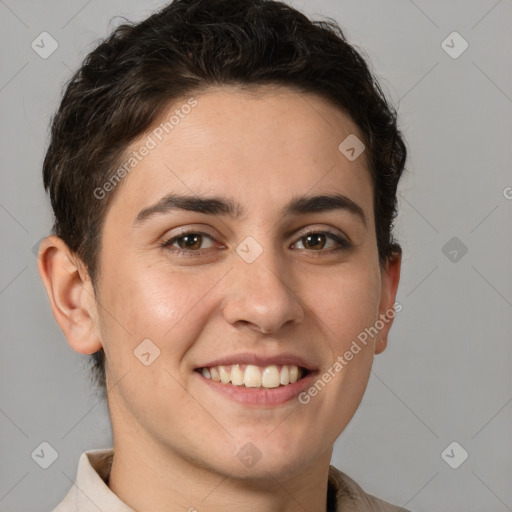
[223,176]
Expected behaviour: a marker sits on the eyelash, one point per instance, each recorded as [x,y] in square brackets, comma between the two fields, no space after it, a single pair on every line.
[167,245]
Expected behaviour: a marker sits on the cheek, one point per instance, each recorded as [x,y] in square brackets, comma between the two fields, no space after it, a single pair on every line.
[171,310]
[346,302]
[148,302]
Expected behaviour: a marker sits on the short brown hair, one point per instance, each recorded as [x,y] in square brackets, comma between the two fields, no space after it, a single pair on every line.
[123,86]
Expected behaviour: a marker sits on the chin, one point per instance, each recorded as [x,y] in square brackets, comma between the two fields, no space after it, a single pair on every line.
[262,457]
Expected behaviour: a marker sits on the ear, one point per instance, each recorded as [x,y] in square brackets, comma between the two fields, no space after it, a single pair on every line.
[390,277]
[70,293]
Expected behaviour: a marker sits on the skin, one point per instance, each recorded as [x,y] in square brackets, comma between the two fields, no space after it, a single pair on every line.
[175,439]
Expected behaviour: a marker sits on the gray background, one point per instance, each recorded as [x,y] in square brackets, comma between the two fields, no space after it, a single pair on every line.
[445,375]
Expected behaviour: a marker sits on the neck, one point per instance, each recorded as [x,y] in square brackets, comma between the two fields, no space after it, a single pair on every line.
[148,477]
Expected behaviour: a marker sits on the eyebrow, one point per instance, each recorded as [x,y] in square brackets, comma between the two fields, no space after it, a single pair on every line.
[227,207]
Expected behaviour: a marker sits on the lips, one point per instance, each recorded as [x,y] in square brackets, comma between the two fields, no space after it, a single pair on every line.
[260,360]
[258,396]
[258,379]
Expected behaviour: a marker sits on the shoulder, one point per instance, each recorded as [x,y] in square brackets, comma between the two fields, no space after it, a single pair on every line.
[350,496]
[90,491]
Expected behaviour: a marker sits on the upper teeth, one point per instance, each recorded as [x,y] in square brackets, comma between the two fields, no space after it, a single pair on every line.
[253,376]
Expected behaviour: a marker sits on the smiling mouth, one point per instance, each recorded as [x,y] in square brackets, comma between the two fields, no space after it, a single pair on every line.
[253,376]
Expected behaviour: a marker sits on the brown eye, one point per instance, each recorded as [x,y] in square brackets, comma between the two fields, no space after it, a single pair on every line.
[314,241]
[317,241]
[190,241]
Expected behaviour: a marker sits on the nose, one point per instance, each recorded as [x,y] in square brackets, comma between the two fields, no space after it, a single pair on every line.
[261,297]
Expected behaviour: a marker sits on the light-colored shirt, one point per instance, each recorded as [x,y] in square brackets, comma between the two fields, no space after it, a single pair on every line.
[90,491]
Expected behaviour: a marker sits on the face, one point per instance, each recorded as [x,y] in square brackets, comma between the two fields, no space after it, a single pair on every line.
[244,237]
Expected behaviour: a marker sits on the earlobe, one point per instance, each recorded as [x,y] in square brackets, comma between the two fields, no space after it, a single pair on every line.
[390,277]
[381,343]
[70,293]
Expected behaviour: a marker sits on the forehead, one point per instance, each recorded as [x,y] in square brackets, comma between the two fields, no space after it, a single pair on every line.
[260,146]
